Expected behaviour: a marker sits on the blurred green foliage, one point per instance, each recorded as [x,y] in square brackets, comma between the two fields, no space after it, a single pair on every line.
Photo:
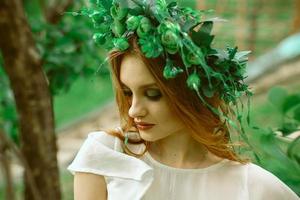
[277,151]
[66,49]
[67,53]
[71,59]
[8,113]
[85,95]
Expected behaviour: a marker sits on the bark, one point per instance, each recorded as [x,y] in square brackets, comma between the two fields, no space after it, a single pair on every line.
[55,12]
[200,5]
[5,162]
[257,4]
[12,147]
[296,23]
[33,100]
[240,28]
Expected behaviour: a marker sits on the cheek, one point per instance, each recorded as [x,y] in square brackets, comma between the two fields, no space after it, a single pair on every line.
[166,117]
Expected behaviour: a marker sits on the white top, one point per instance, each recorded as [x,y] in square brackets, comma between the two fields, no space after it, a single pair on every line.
[130,178]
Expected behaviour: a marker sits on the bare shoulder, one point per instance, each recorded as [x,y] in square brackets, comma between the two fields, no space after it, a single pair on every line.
[89,186]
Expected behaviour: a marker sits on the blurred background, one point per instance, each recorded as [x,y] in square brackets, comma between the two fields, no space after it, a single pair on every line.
[82,96]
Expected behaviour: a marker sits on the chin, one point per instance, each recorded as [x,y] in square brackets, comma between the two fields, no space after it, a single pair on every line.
[149,137]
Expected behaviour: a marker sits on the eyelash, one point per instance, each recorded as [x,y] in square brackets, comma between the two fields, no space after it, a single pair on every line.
[156,97]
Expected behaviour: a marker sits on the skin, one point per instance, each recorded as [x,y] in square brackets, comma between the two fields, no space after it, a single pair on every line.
[89,186]
[170,142]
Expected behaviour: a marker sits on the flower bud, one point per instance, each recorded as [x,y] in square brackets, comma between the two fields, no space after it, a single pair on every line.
[97,17]
[195,58]
[193,81]
[167,25]
[133,22]
[103,28]
[121,43]
[118,28]
[117,12]
[170,71]
[99,38]
[151,46]
[170,41]
[144,27]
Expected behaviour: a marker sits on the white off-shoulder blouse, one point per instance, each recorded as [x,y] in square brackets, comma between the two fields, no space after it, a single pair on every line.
[130,178]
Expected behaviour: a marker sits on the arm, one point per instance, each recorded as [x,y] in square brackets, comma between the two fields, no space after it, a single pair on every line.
[89,186]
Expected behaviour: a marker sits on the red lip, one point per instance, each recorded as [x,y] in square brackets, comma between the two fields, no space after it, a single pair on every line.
[143,125]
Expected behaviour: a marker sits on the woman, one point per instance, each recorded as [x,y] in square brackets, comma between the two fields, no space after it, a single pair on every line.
[174,140]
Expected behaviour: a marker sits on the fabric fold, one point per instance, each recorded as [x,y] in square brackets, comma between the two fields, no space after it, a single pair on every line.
[122,172]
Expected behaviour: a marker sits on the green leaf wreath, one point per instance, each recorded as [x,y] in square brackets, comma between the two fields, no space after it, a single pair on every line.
[166,29]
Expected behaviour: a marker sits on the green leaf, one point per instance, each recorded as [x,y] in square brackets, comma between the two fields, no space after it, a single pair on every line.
[231,52]
[297,114]
[202,37]
[151,46]
[242,56]
[99,38]
[144,27]
[290,102]
[118,28]
[135,11]
[107,4]
[121,43]
[277,96]
[288,128]
[133,22]
[171,71]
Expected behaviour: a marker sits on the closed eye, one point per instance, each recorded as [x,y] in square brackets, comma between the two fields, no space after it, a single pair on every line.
[153,94]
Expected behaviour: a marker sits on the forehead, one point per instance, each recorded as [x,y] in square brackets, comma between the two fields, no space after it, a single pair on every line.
[134,72]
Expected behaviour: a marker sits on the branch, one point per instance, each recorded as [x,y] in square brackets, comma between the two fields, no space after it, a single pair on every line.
[8,144]
[55,12]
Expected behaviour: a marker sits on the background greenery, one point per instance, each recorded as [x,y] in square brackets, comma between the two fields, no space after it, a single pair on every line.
[80,84]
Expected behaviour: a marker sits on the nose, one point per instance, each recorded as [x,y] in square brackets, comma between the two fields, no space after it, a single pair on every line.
[137,108]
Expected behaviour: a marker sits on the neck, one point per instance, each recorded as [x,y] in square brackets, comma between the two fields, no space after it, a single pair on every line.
[180,150]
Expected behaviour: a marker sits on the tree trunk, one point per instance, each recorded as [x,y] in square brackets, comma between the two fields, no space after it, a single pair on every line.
[254,25]
[296,23]
[241,20]
[23,66]
[5,162]
[200,4]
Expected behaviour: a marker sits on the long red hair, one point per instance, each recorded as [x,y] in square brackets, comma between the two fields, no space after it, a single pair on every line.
[184,102]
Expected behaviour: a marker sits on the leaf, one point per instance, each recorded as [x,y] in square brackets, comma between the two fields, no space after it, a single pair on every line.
[277,96]
[242,56]
[231,52]
[202,37]
[294,149]
[215,19]
[288,128]
[172,4]
[297,114]
[188,25]
[135,11]
[290,102]
[107,4]
[171,71]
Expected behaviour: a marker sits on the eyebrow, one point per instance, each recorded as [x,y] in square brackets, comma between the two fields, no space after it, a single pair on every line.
[141,87]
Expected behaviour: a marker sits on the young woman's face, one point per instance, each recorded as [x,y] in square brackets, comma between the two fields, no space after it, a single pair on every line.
[148,106]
